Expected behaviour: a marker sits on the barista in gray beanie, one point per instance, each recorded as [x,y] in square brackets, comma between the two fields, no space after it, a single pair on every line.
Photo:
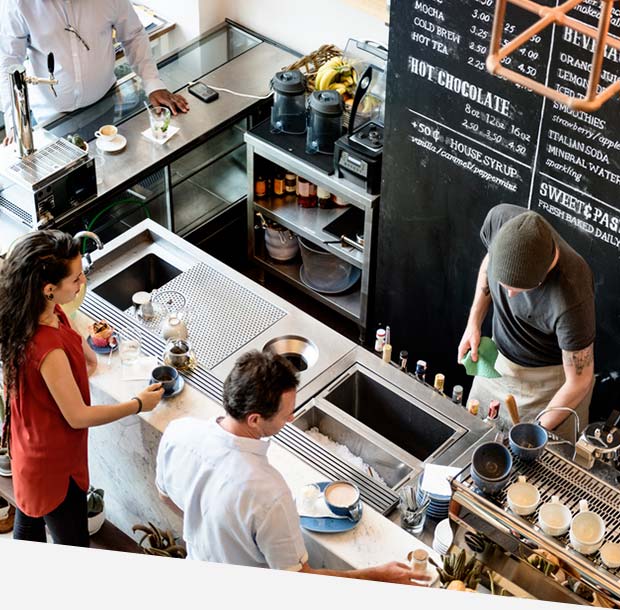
[543,319]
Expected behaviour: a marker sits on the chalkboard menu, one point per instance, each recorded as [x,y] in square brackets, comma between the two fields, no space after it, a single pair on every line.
[459,140]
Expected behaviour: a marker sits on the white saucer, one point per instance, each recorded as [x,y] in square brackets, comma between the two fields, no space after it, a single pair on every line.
[117,143]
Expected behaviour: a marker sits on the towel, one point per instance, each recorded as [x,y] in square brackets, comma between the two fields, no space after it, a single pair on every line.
[485,366]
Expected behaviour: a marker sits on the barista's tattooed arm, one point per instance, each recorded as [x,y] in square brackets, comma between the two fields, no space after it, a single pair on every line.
[579,360]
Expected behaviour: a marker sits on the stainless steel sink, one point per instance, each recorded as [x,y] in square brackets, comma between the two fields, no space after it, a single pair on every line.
[389,467]
[390,413]
[147,273]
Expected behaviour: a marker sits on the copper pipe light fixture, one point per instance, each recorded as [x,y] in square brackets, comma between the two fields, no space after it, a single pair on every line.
[548,16]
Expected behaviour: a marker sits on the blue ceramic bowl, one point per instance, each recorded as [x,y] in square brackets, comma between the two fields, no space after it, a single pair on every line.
[491,464]
[527,440]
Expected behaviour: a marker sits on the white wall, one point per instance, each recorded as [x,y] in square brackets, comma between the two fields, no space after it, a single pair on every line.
[301,25]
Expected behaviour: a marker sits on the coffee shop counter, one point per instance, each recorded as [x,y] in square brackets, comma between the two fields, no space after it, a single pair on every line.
[122,462]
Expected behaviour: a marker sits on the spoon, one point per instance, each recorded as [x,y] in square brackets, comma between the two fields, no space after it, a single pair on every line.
[112,342]
[148,109]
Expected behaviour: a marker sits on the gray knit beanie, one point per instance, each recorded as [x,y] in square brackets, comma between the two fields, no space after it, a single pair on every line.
[522,251]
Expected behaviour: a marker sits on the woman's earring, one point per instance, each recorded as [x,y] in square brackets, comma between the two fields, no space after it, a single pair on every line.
[50,296]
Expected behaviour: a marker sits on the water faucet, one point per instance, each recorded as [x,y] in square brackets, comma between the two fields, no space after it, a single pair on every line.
[87,263]
[575,429]
[19,82]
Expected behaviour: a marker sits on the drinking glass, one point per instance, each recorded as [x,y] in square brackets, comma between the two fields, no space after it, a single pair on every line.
[413,504]
[128,347]
[159,117]
[99,166]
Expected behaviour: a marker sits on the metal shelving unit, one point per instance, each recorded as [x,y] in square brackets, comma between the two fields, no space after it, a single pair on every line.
[310,224]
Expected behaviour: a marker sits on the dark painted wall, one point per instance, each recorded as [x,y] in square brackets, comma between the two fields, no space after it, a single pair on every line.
[460,140]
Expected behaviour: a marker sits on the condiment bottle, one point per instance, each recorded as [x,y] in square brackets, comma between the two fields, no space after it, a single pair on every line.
[404,354]
[260,187]
[473,406]
[420,370]
[290,183]
[278,184]
[304,198]
[387,347]
[379,340]
[457,394]
[324,198]
[439,382]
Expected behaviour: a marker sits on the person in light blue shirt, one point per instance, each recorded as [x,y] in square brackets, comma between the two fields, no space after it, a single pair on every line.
[236,507]
[79,34]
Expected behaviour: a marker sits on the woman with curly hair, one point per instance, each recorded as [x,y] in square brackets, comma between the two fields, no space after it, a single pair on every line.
[46,364]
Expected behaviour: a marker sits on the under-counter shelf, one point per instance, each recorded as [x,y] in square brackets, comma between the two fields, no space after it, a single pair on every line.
[310,224]
[347,303]
[265,149]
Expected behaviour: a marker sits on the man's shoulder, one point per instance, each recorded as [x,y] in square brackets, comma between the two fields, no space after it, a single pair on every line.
[496,217]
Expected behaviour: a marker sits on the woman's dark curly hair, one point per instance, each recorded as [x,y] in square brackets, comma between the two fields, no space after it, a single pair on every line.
[256,384]
[36,259]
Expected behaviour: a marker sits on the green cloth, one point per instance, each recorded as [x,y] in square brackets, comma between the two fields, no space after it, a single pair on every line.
[485,365]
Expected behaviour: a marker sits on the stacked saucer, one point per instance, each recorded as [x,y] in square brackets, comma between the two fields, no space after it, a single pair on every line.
[442,540]
[438,507]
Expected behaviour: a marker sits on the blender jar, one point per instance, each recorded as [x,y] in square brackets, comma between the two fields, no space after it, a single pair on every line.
[288,113]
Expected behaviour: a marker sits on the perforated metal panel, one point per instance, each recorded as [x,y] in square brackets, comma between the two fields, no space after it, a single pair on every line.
[45,162]
[222,315]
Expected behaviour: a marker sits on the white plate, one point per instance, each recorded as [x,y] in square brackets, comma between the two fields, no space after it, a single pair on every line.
[117,143]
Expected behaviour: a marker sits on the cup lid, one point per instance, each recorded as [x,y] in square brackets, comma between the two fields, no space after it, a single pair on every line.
[289,81]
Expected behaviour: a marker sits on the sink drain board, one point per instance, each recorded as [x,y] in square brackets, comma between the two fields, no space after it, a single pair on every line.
[223,315]
[151,343]
[380,497]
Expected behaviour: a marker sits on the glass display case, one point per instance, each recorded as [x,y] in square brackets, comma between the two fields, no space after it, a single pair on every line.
[205,186]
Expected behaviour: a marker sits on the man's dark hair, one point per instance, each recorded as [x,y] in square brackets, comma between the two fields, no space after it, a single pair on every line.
[256,384]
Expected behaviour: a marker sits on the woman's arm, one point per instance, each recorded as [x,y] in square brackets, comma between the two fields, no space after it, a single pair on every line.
[58,377]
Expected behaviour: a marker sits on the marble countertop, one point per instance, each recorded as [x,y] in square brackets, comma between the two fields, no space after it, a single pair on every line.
[375,540]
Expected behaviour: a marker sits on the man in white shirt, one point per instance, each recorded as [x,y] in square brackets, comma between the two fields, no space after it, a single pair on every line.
[236,507]
[79,34]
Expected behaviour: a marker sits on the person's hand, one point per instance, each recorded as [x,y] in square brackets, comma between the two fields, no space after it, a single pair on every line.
[9,138]
[469,341]
[399,573]
[150,396]
[163,97]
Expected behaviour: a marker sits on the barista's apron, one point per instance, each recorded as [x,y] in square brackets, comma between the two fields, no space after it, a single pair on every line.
[533,389]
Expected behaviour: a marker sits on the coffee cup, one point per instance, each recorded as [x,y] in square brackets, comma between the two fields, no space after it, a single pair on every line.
[587,530]
[343,499]
[490,467]
[167,376]
[554,517]
[106,133]
[522,497]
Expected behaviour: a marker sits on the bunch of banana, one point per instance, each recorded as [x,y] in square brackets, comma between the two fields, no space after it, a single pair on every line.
[336,74]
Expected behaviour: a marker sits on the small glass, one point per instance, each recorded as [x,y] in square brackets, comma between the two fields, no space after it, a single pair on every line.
[128,347]
[99,166]
[413,504]
[159,117]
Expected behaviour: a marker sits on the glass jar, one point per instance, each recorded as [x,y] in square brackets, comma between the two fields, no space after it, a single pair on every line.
[324,198]
[290,183]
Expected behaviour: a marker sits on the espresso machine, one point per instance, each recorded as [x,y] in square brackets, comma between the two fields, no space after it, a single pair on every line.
[41,184]
[587,469]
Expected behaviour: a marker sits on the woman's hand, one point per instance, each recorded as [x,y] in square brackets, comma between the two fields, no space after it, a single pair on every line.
[150,396]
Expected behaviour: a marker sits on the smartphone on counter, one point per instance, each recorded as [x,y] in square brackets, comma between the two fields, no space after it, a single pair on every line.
[203,92]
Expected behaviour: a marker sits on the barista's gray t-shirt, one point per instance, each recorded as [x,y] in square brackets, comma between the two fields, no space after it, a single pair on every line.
[533,327]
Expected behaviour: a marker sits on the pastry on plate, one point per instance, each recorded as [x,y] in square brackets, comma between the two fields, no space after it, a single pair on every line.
[100,333]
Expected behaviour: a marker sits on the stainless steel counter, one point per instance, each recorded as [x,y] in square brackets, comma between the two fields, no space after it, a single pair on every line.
[249,74]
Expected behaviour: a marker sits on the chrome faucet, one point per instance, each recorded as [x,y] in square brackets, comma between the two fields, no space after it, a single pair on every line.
[87,263]
[19,82]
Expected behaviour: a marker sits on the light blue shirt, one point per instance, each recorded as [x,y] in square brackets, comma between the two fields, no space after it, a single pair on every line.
[35,28]
[237,508]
